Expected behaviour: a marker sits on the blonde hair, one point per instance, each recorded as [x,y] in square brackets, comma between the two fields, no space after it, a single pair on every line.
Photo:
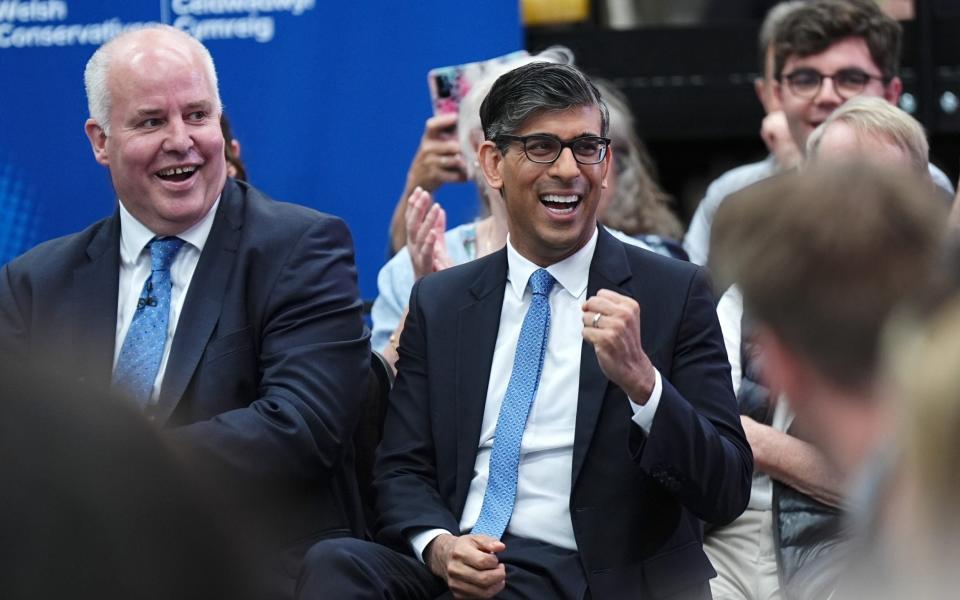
[924,362]
[876,118]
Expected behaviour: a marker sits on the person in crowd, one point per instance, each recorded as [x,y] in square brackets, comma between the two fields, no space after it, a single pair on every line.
[783,152]
[588,469]
[774,129]
[632,201]
[438,160]
[908,525]
[98,505]
[231,150]
[229,319]
[873,130]
[825,53]
[792,523]
[429,245]
[637,207]
[823,258]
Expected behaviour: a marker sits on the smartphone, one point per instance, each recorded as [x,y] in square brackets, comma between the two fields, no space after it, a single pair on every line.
[449,85]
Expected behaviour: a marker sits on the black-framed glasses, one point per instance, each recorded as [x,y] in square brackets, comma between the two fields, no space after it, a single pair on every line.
[805,83]
[545,149]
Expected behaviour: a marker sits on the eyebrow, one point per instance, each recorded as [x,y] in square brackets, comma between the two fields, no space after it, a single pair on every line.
[553,135]
[149,112]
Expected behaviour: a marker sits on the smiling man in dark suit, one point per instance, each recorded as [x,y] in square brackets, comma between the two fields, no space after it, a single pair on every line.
[230,319]
[563,416]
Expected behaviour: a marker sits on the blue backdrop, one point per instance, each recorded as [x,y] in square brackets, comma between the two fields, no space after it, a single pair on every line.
[328,100]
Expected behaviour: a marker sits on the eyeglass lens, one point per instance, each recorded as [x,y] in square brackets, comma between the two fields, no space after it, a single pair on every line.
[847,82]
[546,149]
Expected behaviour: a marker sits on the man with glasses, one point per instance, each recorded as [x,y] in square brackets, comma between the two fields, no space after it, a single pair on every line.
[825,52]
[562,419]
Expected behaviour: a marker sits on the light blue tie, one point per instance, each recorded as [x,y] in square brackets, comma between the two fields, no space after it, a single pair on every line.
[501,493]
[142,349]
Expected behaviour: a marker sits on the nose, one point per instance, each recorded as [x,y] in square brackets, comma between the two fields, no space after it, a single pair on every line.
[828,94]
[178,139]
[566,166]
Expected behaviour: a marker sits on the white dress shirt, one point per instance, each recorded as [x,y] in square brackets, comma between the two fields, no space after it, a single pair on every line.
[135,268]
[730,315]
[542,508]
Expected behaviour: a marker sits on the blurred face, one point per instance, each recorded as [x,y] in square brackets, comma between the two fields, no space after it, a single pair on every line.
[804,114]
[551,208]
[165,151]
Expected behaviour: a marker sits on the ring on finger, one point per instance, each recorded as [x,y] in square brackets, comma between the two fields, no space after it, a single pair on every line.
[596,321]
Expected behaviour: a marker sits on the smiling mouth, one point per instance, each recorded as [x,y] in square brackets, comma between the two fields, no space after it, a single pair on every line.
[178,174]
[560,204]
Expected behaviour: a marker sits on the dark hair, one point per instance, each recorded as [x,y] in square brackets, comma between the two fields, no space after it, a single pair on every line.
[768,29]
[536,87]
[99,504]
[813,28]
[232,158]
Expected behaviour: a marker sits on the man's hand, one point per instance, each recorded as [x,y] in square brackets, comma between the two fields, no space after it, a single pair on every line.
[615,337]
[468,563]
[776,135]
[425,221]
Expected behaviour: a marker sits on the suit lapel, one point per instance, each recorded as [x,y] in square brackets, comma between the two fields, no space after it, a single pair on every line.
[608,270]
[202,306]
[93,282]
[477,327]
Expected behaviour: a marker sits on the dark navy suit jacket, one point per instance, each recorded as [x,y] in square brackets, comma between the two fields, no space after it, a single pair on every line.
[269,362]
[637,499]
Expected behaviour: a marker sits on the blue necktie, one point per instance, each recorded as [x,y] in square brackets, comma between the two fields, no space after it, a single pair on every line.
[501,493]
[142,349]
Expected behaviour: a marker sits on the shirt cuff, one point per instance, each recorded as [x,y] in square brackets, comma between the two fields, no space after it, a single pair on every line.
[643,415]
[420,541]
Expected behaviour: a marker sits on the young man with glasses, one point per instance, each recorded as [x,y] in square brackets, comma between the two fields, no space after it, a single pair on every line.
[825,52]
[562,418]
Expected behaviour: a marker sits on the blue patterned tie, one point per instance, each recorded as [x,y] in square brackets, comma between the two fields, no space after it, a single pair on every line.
[142,349]
[501,493]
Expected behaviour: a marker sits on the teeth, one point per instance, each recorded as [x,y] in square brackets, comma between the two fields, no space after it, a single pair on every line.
[560,199]
[177,171]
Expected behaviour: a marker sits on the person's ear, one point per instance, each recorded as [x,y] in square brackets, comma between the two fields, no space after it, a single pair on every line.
[892,91]
[491,164]
[98,141]
[607,165]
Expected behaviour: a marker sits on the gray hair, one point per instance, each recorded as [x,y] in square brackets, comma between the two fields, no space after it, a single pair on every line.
[98,68]
[468,120]
[876,118]
[534,88]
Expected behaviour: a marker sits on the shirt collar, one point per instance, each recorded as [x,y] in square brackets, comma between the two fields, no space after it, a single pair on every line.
[134,235]
[571,273]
